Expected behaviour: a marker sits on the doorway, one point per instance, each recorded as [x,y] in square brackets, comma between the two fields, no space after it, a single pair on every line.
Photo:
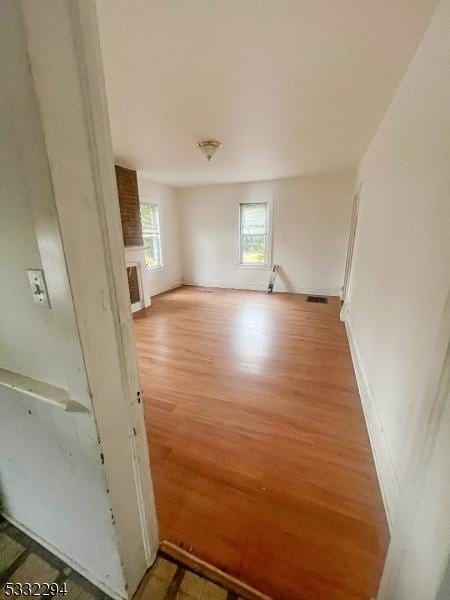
[351,244]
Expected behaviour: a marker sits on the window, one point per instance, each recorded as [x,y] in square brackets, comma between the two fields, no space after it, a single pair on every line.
[254,233]
[151,235]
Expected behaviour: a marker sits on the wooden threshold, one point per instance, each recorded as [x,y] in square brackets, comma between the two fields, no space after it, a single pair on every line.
[204,569]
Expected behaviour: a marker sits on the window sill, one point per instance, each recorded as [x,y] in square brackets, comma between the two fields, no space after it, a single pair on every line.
[154,269]
[252,267]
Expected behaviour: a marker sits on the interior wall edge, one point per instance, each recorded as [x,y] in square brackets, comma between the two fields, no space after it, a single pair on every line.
[387,478]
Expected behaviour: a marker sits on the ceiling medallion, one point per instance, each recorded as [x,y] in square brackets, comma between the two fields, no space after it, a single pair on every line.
[209,147]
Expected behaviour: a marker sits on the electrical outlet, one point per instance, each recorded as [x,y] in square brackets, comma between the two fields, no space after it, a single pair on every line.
[38,287]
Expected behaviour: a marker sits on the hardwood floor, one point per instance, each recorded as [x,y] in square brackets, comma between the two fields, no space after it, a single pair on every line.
[260,456]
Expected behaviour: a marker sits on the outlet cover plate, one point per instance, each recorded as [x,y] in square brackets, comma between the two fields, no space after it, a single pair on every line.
[38,287]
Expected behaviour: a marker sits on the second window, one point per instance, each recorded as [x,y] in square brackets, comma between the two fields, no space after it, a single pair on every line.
[254,233]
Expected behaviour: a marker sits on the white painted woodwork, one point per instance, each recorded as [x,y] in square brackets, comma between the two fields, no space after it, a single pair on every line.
[77,482]
[50,394]
[350,246]
[53,483]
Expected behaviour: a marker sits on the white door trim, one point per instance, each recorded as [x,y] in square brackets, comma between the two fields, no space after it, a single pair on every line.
[351,243]
[66,63]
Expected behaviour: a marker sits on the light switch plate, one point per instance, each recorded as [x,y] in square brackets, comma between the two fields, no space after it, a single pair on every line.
[38,287]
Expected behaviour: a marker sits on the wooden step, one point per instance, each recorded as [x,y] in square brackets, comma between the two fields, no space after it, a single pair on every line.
[204,569]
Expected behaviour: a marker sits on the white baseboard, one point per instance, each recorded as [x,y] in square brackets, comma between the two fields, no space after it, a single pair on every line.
[69,561]
[262,287]
[387,477]
[164,288]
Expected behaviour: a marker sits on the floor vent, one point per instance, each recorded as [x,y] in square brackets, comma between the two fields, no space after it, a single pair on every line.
[318,299]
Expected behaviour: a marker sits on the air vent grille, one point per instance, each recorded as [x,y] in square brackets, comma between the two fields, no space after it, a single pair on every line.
[317,299]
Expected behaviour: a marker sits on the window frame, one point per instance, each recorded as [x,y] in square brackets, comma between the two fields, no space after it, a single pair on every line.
[267,265]
[158,234]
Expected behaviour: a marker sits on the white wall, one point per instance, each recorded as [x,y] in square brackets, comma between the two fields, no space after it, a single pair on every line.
[24,329]
[428,549]
[400,279]
[310,230]
[170,275]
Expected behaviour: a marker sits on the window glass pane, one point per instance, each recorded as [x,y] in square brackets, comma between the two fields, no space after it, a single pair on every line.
[151,236]
[149,217]
[253,249]
[152,251]
[254,229]
[254,218]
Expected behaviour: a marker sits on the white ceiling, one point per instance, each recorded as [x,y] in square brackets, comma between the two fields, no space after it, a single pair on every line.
[290,87]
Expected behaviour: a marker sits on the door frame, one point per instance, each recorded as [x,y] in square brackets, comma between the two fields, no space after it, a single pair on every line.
[351,243]
[67,71]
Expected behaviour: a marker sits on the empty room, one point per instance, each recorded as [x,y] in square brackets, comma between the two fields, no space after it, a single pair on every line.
[224,337]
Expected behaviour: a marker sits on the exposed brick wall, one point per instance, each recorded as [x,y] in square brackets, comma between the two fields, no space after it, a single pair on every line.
[133,284]
[127,188]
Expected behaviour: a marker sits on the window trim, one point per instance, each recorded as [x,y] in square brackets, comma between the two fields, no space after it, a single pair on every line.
[267,265]
[160,267]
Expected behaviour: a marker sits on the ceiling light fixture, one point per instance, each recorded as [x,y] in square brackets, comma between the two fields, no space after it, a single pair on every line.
[209,147]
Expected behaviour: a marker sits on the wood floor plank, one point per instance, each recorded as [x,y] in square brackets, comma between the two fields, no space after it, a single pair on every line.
[260,455]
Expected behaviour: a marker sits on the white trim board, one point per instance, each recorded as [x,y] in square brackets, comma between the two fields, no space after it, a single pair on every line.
[164,288]
[262,287]
[44,392]
[387,477]
[64,52]
[85,572]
